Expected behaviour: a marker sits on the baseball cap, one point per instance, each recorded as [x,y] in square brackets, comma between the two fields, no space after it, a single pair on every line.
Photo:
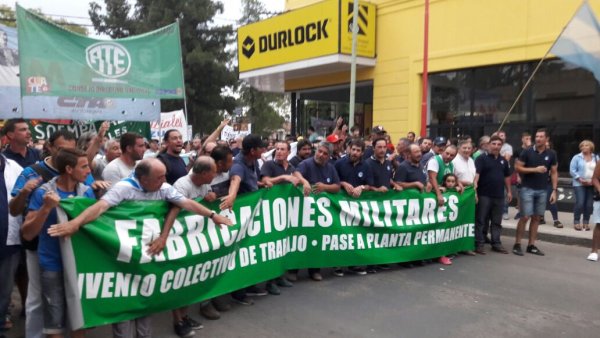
[333,138]
[440,141]
[252,141]
[378,130]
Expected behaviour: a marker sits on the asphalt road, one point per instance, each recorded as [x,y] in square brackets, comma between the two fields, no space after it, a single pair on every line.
[486,296]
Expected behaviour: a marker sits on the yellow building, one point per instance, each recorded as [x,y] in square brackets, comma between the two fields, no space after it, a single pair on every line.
[481,52]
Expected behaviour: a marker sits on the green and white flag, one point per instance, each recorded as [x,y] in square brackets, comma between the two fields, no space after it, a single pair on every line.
[55,62]
[110,277]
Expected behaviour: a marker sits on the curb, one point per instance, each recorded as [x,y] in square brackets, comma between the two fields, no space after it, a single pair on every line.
[552,238]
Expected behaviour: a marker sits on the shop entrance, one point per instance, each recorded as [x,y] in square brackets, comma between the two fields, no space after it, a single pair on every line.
[320,107]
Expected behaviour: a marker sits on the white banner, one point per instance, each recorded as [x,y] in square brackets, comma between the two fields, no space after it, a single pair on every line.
[238,129]
[171,120]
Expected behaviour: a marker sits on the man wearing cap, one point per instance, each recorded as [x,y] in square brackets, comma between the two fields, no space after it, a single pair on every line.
[338,144]
[244,174]
[376,133]
[323,177]
[439,145]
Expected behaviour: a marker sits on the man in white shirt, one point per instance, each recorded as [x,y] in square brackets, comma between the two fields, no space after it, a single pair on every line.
[132,150]
[464,166]
[147,183]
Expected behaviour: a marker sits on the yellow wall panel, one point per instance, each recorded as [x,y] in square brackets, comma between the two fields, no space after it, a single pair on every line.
[462,33]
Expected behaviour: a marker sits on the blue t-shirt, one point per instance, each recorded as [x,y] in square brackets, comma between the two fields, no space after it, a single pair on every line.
[248,174]
[175,167]
[49,247]
[32,156]
[382,172]
[354,174]
[492,171]
[315,173]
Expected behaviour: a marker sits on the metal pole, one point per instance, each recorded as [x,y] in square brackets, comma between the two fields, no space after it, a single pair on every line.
[425,89]
[514,104]
[353,64]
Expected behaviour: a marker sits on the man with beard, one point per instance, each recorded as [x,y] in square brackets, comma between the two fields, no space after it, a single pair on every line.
[355,177]
[176,167]
[323,177]
[380,167]
[303,151]
[132,150]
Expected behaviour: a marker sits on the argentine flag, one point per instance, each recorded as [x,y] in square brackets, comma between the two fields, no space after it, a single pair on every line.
[579,43]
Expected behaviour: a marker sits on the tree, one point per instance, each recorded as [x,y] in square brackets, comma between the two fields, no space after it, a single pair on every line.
[261,106]
[9,18]
[203,48]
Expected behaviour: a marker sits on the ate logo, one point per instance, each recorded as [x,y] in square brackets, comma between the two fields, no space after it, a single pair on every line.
[248,47]
[108,59]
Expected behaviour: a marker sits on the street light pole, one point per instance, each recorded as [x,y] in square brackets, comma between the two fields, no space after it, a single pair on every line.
[353,64]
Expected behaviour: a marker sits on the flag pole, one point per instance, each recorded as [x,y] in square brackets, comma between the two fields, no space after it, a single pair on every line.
[537,67]
[185,110]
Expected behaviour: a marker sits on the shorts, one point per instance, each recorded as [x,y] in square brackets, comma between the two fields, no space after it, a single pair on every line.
[596,213]
[533,201]
[53,301]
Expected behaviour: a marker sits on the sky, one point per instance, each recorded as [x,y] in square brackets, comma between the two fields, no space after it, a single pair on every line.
[76,10]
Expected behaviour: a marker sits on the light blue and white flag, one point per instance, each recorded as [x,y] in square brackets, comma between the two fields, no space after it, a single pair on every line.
[579,43]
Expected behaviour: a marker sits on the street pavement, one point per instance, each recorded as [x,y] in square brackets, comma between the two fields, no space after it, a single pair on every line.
[495,295]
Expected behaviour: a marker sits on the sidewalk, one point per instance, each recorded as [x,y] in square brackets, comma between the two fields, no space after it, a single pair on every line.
[547,232]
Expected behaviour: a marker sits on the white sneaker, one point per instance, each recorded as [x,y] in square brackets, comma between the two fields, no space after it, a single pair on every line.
[592,257]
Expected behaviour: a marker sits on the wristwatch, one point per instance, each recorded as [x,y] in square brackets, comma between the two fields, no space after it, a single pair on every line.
[212,214]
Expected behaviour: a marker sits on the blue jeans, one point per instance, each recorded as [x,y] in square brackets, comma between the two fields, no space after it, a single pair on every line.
[583,204]
[533,202]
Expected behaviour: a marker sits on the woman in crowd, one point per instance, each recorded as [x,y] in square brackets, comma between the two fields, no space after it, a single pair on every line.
[582,169]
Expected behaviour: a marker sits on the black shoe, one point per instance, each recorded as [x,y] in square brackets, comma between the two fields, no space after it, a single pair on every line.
[358,270]
[480,250]
[532,249]
[488,240]
[371,269]
[283,282]
[338,272]
[517,249]
[518,215]
[384,267]
[183,330]
[272,289]
[407,265]
[255,291]
[542,221]
[243,300]
[221,303]
[194,325]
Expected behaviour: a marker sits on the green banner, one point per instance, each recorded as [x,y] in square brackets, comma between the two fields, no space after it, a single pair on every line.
[42,129]
[57,62]
[113,279]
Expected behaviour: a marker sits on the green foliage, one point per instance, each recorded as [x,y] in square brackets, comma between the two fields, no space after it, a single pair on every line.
[9,18]
[203,48]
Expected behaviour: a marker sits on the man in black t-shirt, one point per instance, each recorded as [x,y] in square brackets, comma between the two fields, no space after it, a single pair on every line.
[534,165]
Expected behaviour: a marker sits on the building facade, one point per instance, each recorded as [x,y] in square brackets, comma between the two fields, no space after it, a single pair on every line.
[481,53]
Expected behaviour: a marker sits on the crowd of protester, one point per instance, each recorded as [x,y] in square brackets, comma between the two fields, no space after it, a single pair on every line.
[35,176]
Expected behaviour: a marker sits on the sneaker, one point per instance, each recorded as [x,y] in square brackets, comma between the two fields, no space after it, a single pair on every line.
[445,260]
[532,249]
[272,289]
[558,224]
[209,311]
[505,216]
[316,276]
[194,325]
[592,257]
[358,270]
[243,300]
[338,272]
[500,249]
[384,267]
[517,249]
[283,282]
[371,269]
[256,291]
[183,330]
[518,215]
